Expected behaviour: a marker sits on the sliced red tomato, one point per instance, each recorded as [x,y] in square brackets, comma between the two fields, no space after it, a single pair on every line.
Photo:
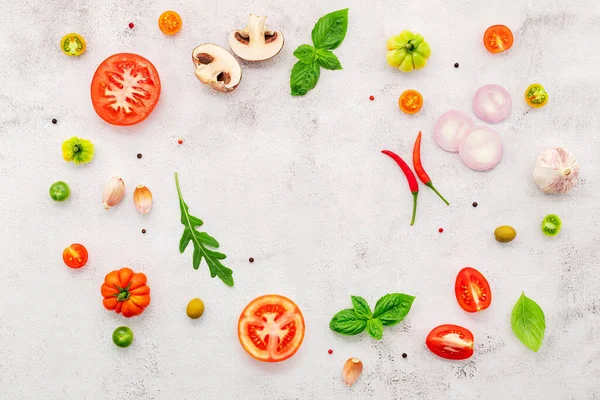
[472,290]
[498,38]
[271,328]
[125,89]
[450,341]
[75,256]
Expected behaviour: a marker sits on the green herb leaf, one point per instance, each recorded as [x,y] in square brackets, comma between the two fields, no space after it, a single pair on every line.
[304,77]
[305,53]
[347,322]
[361,307]
[375,328]
[200,241]
[528,322]
[328,60]
[392,308]
[330,30]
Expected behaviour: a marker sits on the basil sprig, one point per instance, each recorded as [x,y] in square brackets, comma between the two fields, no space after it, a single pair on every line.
[389,310]
[528,322]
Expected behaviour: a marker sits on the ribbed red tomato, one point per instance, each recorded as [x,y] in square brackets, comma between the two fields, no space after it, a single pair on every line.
[472,290]
[450,341]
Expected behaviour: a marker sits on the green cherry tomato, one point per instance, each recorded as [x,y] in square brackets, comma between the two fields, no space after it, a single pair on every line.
[407,51]
[536,96]
[551,225]
[123,336]
[59,191]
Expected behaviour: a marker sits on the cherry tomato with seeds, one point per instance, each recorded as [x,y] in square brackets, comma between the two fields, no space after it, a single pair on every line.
[72,44]
[169,22]
[551,225]
[450,341]
[75,256]
[536,96]
[498,38]
[472,290]
[410,101]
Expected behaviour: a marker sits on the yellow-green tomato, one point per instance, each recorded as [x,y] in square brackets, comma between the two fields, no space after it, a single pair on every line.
[195,308]
[505,234]
[407,51]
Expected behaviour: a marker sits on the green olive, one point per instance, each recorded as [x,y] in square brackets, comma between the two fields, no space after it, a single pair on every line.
[505,234]
[195,308]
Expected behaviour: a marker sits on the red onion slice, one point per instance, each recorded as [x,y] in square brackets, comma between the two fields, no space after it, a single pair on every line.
[450,128]
[481,148]
[492,103]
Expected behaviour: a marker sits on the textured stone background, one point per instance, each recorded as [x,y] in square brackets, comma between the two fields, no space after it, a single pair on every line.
[298,184]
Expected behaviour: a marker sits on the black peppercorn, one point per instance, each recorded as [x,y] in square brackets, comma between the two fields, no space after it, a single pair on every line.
[143,231]
[404,355]
[474,204]
[251,259]
[54,121]
[455,65]
[139,155]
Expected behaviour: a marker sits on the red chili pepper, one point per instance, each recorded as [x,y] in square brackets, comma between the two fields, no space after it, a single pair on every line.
[419,168]
[410,177]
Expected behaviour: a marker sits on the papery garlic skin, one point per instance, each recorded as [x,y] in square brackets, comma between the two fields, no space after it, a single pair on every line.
[142,198]
[114,191]
[556,171]
[352,370]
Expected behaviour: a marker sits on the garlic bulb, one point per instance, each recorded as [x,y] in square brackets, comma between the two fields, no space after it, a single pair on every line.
[113,192]
[142,198]
[556,171]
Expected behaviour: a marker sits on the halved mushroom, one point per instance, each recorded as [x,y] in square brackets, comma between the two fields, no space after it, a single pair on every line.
[216,67]
[254,43]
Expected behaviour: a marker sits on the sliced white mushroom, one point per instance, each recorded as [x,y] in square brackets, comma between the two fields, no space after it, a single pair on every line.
[254,43]
[216,67]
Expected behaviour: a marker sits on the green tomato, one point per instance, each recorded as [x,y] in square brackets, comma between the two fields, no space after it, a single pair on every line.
[80,151]
[123,336]
[551,225]
[59,191]
[407,51]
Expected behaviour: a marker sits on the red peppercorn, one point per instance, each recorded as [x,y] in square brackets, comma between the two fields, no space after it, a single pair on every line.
[180,141]
[441,230]
[371,98]
[330,351]
[131,25]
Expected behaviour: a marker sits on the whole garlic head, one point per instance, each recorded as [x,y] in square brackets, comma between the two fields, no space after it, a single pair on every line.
[556,171]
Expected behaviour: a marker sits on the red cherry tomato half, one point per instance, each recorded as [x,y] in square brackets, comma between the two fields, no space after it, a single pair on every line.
[472,290]
[450,341]
[498,38]
[271,328]
[125,89]
[75,256]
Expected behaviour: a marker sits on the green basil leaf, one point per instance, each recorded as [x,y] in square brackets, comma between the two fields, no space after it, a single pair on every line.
[305,53]
[361,307]
[328,60]
[304,77]
[392,308]
[375,328]
[330,30]
[347,322]
[528,322]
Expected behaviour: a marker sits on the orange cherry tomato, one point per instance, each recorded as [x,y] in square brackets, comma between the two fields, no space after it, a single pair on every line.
[498,38]
[169,22]
[410,101]
[271,328]
[75,256]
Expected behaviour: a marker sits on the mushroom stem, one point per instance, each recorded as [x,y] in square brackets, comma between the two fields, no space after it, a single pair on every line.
[256,30]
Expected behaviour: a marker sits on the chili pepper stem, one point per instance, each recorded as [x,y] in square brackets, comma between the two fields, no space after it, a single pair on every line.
[414,214]
[430,185]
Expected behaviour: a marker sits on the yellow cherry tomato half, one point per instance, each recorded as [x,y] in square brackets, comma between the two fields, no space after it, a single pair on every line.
[169,22]
[72,44]
[536,96]
[410,101]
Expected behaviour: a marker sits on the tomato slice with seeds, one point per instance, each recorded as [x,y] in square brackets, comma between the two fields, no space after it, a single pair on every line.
[125,89]
[169,22]
[271,328]
[472,290]
[536,96]
[72,44]
[410,101]
[75,256]
[498,38]
[450,341]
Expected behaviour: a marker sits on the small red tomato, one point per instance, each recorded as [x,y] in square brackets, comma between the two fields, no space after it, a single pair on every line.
[472,290]
[450,341]
[75,256]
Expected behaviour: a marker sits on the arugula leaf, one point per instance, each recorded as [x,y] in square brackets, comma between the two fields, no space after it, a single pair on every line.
[330,30]
[361,307]
[346,322]
[200,241]
[305,53]
[375,328]
[304,77]
[528,322]
[392,308]
[328,60]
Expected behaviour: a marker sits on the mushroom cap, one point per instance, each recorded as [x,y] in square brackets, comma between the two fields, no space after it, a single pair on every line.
[254,43]
[216,67]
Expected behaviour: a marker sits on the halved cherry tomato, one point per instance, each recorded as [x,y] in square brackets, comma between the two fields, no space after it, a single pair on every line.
[72,44]
[410,101]
[271,328]
[169,22]
[498,38]
[536,96]
[450,341]
[472,290]
[75,256]
[125,89]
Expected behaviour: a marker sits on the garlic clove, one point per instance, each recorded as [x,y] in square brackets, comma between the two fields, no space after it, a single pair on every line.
[352,370]
[556,171]
[114,191]
[142,198]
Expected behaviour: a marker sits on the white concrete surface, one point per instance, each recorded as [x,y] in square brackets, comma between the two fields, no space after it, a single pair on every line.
[300,185]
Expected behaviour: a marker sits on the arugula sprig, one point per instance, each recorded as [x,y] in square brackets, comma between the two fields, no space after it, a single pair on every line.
[389,310]
[200,241]
[328,34]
